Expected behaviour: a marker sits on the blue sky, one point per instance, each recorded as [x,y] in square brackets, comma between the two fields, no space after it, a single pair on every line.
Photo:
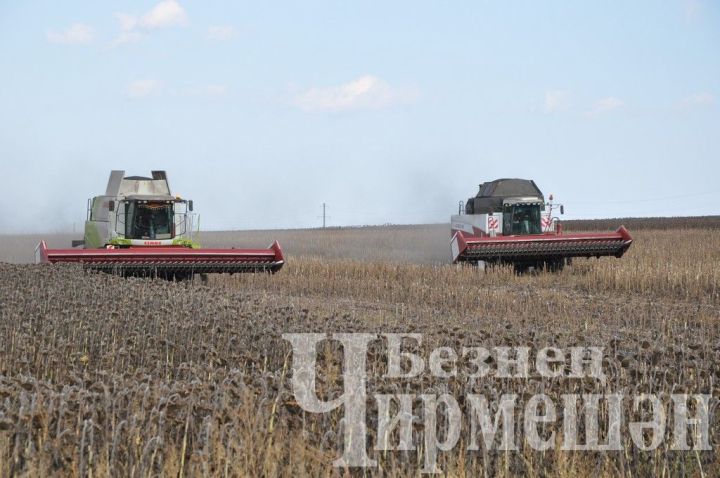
[390,112]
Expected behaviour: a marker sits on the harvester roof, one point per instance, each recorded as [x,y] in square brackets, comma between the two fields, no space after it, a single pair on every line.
[156,187]
[491,195]
[152,197]
[509,187]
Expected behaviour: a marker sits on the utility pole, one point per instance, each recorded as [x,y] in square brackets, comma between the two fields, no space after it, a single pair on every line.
[325,217]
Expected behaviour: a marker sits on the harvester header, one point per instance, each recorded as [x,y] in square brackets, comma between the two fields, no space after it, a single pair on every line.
[138,227]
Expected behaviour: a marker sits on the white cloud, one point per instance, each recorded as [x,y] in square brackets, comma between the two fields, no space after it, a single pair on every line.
[366,92]
[211,90]
[222,32]
[605,105]
[130,36]
[697,100]
[556,100]
[126,21]
[215,90]
[142,88]
[77,33]
[167,13]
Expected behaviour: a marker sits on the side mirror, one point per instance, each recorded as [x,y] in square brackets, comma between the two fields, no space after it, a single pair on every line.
[190,206]
[562,209]
[111,206]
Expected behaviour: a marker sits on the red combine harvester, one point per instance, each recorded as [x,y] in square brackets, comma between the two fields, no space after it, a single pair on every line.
[138,228]
[509,222]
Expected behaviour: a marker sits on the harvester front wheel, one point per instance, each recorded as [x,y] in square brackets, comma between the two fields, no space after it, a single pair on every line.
[553,265]
[556,265]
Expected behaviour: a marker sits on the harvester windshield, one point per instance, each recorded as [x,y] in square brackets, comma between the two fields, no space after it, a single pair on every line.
[148,220]
[522,219]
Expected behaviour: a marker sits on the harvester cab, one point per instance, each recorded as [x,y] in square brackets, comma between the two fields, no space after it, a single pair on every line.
[509,221]
[138,211]
[138,227]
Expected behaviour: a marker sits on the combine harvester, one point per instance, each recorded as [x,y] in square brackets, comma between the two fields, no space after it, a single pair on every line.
[509,222]
[138,228]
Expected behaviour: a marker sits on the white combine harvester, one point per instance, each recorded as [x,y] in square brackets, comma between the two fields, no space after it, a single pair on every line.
[509,222]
